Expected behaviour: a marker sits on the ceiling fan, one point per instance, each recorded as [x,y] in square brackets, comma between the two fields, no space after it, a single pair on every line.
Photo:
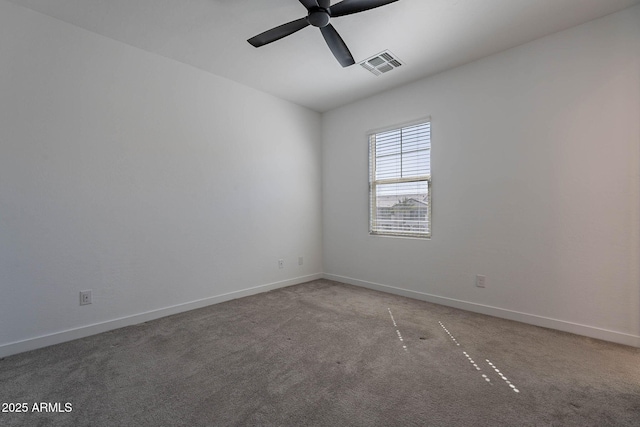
[319,13]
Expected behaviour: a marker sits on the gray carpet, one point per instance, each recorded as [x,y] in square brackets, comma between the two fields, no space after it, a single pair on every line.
[324,353]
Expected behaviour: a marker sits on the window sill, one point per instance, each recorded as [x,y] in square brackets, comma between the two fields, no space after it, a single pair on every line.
[400,236]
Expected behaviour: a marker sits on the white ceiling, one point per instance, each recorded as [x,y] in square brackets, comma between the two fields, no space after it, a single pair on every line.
[429,36]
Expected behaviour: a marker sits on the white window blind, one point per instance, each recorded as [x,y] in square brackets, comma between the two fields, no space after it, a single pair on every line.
[400,181]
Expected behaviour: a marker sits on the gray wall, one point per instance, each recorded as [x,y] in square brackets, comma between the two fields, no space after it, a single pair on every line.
[156,185]
[536,184]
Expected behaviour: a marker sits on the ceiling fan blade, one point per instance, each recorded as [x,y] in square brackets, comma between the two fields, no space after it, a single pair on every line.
[347,7]
[278,32]
[337,46]
[309,3]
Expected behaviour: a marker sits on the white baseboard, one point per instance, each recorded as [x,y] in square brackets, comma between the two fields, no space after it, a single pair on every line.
[97,328]
[532,319]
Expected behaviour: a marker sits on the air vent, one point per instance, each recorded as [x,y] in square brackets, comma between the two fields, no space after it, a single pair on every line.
[381,63]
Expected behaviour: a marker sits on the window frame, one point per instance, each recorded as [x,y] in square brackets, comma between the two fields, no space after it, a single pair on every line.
[373,183]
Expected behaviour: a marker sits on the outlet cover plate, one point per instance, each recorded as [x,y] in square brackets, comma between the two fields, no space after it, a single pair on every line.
[85,297]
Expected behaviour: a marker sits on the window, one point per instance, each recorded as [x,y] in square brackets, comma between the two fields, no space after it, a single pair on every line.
[400,181]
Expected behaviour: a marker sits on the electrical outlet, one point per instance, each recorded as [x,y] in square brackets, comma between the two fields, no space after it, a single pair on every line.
[480,281]
[300,260]
[280,263]
[85,297]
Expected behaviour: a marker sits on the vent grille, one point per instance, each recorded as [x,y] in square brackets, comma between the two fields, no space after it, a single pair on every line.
[381,63]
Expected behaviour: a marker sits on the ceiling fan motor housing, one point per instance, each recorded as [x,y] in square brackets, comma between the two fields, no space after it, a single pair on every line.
[318,17]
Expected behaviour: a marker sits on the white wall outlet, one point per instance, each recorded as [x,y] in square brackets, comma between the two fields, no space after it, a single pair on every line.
[480,281]
[280,263]
[85,297]
[300,260]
